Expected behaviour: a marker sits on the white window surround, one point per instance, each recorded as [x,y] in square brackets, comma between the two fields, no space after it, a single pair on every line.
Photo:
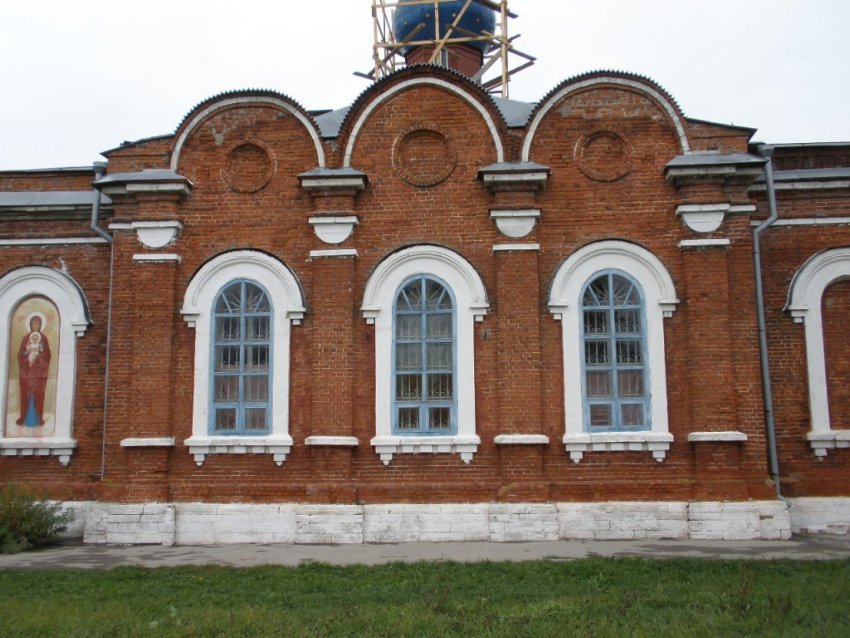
[64,292]
[565,304]
[288,308]
[804,304]
[378,301]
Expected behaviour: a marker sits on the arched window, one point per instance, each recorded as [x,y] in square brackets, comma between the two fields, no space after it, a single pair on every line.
[614,362]
[615,380]
[424,361]
[241,360]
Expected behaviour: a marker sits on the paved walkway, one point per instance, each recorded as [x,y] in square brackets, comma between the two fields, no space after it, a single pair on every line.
[78,556]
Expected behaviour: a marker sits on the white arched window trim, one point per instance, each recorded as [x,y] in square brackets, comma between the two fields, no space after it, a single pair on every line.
[378,301]
[64,292]
[565,304]
[805,305]
[287,308]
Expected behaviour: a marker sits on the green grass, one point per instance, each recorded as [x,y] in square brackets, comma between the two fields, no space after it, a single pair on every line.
[594,597]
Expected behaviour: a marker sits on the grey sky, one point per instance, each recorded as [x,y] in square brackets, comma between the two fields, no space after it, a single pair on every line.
[77,78]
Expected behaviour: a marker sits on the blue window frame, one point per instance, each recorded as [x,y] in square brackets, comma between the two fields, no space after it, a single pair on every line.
[241,360]
[616,394]
[424,358]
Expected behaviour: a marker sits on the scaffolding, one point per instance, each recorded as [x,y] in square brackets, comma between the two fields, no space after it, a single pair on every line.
[501,60]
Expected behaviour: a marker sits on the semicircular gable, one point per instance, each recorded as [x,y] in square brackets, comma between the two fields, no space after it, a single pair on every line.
[238,99]
[601,79]
[417,76]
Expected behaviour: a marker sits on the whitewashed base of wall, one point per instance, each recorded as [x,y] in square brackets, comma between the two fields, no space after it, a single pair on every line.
[221,524]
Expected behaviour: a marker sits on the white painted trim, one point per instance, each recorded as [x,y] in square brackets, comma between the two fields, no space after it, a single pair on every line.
[278,444]
[64,292]
[804,303]
[157,259]
[505,247]
[807,221]
[151,234]
[163,441]
[717,437]
[333,229]
[521,439]
[703,218]
[703,243]
[379,99]
[358,183]
[471,305]
[660,301]
[61,447]
[743,209]
[53,241]
[342,252]
[515,223]
[287,307]
[237,101]
[332,441]
[807,185]
[665,104]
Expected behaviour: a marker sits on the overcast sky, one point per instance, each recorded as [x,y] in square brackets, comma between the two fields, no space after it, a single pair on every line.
[78,78]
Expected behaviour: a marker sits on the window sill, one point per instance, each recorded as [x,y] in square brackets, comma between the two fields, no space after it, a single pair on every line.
[387,446]
[656,442]
[202,446]
[717,437]
[822,442]
[63,448]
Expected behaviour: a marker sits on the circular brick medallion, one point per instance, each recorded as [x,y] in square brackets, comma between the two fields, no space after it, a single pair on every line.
[603,156]
[249,167]
[423,157]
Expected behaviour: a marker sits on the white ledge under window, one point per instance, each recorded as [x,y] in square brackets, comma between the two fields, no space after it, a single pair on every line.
[159,441]
[388,446]
[63,448]
[656,442]
[332,441]
[717,437]
[202,446]
[521,439]
[822,442]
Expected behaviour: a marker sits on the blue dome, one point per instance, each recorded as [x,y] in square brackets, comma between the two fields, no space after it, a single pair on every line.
[477,19]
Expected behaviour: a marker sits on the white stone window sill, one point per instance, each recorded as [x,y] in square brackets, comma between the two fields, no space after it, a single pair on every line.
[656,442]
[387,446]
[202,446]
[63,448]
[163,441]
[821,442]
[332,441]
[717,437]
[521,439]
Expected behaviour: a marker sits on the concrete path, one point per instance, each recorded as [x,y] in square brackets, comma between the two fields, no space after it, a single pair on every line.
[78,556]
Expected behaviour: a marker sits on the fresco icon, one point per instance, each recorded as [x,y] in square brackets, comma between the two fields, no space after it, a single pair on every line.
[33,368]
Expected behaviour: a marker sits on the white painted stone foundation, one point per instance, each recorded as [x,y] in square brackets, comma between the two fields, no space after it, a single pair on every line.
[221,524]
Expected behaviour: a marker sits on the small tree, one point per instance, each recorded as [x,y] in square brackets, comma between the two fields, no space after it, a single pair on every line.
[27,521]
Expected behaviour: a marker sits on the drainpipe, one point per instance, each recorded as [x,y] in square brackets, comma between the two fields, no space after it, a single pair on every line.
[99,170]
[767,388]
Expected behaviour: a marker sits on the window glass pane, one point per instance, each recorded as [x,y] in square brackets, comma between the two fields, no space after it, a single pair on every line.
[439,326]
[255,299]
[226,389]
[256,388]
[408,418]
[629,352]
[627,321]
[596,353]
[439,418]
[408,387]
[436,296]
[255,418]
[257,328]
[630,383]
[413,293]
[440,386]
[227,329]
[408,356]
[598,384]
[600,415]
[625,293]
[439,356]
[408,326]
[632,414]
[595,322]
[597,292]
[256,358]
[225,418]
[226,358]
[230,300]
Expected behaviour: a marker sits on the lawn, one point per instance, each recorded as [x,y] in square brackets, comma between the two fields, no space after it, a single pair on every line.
[595,597]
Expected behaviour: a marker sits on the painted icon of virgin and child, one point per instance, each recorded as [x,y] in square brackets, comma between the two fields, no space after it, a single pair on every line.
[33,362]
